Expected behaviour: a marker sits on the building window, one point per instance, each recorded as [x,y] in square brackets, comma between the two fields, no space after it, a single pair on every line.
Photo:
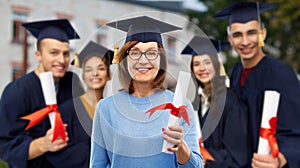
[17,70]
[19,16]
[62,15]
[101,35]
[17,73]
[171,49]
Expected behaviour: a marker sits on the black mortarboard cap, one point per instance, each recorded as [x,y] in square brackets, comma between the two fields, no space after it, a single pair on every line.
[219,45]
[242,12]
[94,49]
[143,29]
[200,45]
[59,29]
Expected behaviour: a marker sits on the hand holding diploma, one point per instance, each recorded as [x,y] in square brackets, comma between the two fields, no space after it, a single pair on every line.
[267,140]
[177,108]
[51,109]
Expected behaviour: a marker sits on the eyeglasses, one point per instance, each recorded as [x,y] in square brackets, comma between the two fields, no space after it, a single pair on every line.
[136,54]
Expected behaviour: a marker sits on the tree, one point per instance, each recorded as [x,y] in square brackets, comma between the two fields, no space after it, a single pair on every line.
[282,22]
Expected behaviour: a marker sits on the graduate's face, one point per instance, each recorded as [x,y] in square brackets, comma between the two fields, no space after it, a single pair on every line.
[143,70]
[95,73]
[203,69]
[53,56]
[244,39]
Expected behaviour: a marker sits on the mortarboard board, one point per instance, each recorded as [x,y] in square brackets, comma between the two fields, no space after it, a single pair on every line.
[219,45]
[59,29]
[143,28]
[200,45]
[93,49]
[242,12]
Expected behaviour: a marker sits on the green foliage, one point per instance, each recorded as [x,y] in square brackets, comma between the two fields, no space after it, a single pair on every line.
[284,31]
[282,23]
[3,164]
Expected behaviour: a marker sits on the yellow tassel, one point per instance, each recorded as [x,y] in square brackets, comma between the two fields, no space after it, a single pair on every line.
[76,60]
[261,42]
[222,70]
[116,58]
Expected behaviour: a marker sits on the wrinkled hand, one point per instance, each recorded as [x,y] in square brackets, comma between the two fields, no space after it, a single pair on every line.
[264,161]
[174,135]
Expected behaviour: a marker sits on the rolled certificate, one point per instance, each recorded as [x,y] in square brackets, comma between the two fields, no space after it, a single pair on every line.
[178,100]
[48,88]
[198,127]
[51,109]
[268,123]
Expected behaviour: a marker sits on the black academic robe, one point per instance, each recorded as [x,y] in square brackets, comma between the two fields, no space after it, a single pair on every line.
[225,132]
[20,98]
[79,131]
[271,74]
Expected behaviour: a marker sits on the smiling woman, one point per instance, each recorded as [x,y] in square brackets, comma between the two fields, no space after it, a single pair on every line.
[219,109]
[120,124]
[78,113]
[141,68]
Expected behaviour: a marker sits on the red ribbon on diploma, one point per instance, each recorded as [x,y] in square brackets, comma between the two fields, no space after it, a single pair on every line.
[206,155]
[39,115]
[179,112]
[269,135]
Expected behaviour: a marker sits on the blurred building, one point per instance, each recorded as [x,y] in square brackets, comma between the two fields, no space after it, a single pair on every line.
[88,17]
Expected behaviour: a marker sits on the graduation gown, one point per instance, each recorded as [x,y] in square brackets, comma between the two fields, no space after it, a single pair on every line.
[20,98]
[225,132]
[79,129]
[271,74]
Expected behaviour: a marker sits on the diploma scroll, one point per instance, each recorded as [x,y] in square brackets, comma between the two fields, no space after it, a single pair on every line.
[51,108]
[178,100]
[48,88]
[268,124]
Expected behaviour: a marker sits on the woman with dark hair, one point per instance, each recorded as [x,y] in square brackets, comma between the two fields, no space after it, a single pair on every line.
[222,117]
[78,113]
[123,135]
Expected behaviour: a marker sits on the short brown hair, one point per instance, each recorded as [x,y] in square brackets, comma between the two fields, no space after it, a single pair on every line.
[39,45]
[124,75]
